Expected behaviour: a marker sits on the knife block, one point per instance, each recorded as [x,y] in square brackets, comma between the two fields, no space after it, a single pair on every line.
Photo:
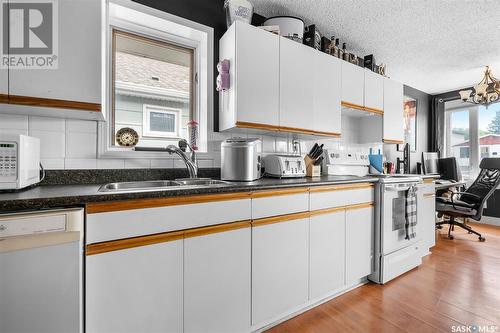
[311,169]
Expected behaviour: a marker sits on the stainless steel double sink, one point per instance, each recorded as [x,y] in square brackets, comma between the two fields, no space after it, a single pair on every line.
[161,185]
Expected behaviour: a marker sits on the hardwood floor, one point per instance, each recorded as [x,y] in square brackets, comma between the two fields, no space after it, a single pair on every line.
[458,284]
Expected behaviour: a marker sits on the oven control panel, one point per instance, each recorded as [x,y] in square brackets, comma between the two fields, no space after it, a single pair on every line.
[8,161]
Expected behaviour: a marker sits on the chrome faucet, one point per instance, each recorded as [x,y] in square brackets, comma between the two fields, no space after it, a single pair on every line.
[190,161]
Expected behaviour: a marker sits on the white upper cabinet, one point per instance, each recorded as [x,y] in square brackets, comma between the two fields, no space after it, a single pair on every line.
[353,84]
[253,96]
[296,85]
[393,112]
[374,91]
[217,282]
[136,290]
[327,94]
[79,72]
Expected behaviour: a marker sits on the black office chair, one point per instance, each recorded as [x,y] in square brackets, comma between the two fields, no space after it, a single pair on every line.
[469,204]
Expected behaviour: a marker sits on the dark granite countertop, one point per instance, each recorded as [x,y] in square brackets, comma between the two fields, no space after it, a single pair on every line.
[55,196]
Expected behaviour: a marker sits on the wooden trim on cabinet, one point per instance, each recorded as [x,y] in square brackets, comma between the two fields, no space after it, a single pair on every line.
[53,103]
[280,218]
[128,243]
[359,206]
[114,206]
[429,195]
[327,211]
[332,134]
[275,193]
[352,106]
[428,181]
[245,124]
[332,188]
[214,229]
[297,130]
[374,110]
[4,98]
[391,141]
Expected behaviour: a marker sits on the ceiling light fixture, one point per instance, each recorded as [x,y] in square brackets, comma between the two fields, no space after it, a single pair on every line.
[485,92]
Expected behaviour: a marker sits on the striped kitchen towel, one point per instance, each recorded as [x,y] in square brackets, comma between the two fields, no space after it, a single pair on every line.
[411,213]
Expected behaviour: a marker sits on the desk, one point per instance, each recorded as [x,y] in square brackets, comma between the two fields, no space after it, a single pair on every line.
[448,185]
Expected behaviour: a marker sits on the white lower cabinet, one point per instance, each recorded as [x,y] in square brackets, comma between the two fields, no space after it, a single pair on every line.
[279,268]
[217,282]
[136,290]
[327,254]
[359,238]
[426,216]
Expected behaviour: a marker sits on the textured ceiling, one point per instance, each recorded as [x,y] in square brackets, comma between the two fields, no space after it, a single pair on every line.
[432,45]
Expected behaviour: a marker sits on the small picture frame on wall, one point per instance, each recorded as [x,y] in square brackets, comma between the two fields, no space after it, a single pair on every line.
[410,123]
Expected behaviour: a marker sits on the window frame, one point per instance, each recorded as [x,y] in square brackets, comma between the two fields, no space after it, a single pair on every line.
[146,124]
[140,20]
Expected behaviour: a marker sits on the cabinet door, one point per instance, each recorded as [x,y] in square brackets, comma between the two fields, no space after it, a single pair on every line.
[279,268]
[393,111]
[374,90]
[296,84]
[135,290]
[327,93]
[78,76]
[217,282]
[257,75]
[353,84]
[359,243]
[426,216]
[327,254]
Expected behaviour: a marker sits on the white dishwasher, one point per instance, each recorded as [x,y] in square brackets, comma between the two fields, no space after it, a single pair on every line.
[41,256]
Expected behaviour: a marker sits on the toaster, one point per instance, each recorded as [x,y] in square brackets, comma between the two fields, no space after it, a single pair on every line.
[284,166]
[19,161]
[241,159]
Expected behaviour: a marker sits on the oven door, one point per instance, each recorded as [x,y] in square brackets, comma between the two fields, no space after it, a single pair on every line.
[393,219]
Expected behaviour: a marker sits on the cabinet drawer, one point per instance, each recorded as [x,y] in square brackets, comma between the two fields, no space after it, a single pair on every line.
[146,221]
[266,204]
[329,197]
[400,262]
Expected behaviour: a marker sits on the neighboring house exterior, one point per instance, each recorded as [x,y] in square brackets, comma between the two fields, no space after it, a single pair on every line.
[152,97]
[489,147]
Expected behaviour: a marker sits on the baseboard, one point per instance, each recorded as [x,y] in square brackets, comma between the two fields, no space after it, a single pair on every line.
[307,306]
[490,220]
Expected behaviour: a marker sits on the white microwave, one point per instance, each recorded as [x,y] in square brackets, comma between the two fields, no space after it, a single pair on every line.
[19,161]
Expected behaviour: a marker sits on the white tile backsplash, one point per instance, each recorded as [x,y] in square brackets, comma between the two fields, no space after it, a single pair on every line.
[52,163]
[14,122]
[72,144]
[52,143]
[81,126]
[137,164]
[46,124]
[81,145]
[13,131]
[80,164]
[108,163]
[162,163]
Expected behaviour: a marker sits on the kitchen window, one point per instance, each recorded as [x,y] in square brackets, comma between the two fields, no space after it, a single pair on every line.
[472,132]
[159,81]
